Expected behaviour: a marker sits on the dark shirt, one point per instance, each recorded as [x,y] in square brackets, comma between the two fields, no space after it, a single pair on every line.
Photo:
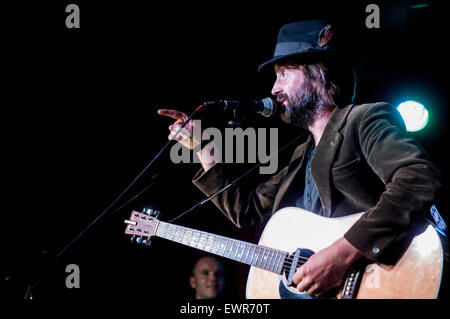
[310,199]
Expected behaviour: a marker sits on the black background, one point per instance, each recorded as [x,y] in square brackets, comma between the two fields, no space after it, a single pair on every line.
[79,123]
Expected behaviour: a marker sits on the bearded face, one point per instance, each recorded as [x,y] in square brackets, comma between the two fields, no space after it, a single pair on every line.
[299,95]
[300,107]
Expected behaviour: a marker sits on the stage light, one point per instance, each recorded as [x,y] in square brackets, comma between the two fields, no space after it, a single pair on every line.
[414,114]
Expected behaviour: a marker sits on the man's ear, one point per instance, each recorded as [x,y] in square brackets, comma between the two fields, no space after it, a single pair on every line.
[192,282]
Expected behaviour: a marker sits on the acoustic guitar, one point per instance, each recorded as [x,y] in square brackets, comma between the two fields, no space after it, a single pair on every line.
[290,237]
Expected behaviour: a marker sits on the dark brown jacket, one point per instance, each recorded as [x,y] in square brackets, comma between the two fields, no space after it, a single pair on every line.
[365,162]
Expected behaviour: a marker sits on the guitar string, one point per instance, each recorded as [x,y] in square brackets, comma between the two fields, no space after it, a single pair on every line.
[288,260]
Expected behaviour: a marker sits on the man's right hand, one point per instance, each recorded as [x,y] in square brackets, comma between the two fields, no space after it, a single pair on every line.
[209,155]
[185,136]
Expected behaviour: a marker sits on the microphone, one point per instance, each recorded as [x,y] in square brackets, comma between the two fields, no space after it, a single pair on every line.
[266,107]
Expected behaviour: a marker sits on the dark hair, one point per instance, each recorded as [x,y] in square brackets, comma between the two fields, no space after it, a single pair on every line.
[334,83]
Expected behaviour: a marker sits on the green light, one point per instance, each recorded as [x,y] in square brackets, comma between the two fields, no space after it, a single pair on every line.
[414,114]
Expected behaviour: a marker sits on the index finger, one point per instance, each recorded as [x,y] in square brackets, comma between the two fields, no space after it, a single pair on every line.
[298,276]
[173,114]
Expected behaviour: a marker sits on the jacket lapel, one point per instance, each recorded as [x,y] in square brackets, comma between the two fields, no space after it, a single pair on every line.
[297,162]
[325,154]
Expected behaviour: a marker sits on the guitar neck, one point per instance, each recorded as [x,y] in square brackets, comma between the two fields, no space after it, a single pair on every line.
[258,256]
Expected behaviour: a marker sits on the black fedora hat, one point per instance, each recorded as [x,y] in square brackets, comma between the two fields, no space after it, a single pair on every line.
[311,41]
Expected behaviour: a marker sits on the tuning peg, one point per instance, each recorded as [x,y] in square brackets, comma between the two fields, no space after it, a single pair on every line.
[139,240]
[147,242]
[149,212]
[156,213]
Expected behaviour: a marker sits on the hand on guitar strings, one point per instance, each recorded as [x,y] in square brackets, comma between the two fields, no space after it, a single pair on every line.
[326,269]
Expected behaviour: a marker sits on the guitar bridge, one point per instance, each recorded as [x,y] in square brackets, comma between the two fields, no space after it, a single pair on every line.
[353,281]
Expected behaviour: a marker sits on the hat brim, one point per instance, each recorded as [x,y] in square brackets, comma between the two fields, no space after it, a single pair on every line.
[352,59]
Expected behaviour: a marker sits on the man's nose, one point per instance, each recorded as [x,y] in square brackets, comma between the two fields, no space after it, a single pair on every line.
[276,89]
[212,277]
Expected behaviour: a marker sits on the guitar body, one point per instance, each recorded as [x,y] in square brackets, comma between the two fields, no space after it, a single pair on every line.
[416,275]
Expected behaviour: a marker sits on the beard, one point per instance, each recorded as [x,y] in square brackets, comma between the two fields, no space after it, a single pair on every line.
[301,108]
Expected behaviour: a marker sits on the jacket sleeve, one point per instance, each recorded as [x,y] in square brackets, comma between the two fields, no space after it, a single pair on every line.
[385,230]
[240,203]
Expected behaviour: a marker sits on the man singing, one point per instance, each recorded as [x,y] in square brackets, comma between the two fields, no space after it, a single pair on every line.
[358,158]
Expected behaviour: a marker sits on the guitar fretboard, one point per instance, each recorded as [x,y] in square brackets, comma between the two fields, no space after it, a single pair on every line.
[259,256]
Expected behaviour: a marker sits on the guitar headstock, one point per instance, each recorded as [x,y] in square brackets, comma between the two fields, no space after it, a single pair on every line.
[142,226]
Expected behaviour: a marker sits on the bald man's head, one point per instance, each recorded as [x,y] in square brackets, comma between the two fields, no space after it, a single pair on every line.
[207,278]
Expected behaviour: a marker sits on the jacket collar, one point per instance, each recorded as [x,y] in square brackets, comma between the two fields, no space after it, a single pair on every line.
[325,154]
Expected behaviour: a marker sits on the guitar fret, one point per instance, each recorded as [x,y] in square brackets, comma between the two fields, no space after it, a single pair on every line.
[165,228]
[165,232]
[215,245]
[187,234]
[202,240]
[271,254]
[258,259]
[252,262]
[224,246]
[205,240]
[221,248]
[277,261]
[241,251]
[160,230]
[267,264]
[199,236]
[177,234]
[231,249]
[263,257]
[199,239]
[255,256]
[182,235]
[194,239]
[281,262]
[228,248]
[234,250]
[271,260]
[205,246]
[248,257]
[245,253]
[238,251]
[236,255]
[208,244]
[171,231]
